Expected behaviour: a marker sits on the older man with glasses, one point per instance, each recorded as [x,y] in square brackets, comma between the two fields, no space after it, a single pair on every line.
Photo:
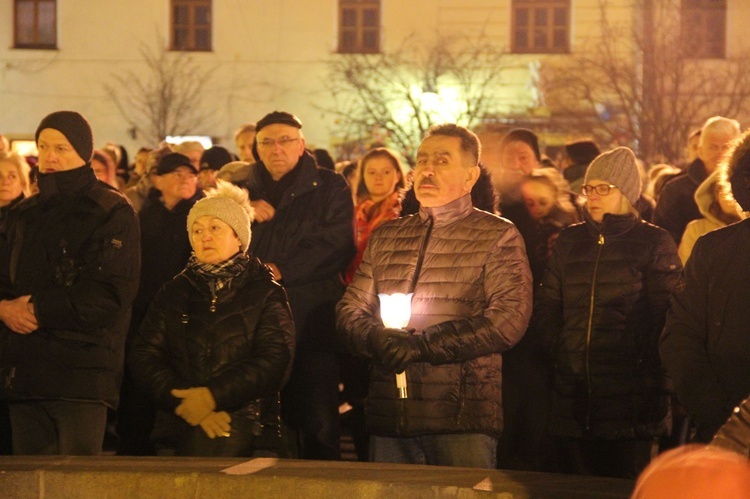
[303,232]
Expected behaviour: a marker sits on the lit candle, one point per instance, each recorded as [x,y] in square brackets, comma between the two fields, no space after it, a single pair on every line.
[395,312]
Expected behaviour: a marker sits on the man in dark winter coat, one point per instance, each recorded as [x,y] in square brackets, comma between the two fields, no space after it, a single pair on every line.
[471,285]
[303,231]
[73,273]
[165,250]
[676,207]
[705,345]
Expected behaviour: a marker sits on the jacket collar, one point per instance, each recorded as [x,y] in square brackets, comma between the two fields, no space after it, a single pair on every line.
[611,224]
[307,178]
[448,213]
[67,183]
[697,171]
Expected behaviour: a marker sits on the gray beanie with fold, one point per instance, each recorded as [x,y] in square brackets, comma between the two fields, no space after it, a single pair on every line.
[617,167]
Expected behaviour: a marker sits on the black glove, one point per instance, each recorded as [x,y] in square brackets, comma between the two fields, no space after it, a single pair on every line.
[395,349]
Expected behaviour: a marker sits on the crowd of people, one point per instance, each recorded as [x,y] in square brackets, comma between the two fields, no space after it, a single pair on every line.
[201,302]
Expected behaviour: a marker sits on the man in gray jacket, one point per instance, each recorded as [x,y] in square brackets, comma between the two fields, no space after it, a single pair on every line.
[471,285]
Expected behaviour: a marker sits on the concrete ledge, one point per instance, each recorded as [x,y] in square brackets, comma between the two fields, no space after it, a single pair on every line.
[160,477]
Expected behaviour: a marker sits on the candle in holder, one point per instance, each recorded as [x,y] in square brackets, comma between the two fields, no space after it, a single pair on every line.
[395,312]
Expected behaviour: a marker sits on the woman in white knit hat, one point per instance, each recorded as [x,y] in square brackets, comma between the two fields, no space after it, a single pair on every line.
[600,311]
[217,343]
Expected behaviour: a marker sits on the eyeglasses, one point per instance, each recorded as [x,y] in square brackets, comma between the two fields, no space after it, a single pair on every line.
[601,189]
[283,142]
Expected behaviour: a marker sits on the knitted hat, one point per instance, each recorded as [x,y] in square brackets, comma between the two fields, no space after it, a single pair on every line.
[523,135]
[214,158]
[229,204]
[279,117]
[617,167]
[582,152]
[75,128]
[172,161]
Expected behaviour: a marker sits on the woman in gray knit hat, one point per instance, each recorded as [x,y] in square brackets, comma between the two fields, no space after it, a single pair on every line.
[600,311]
[216,345]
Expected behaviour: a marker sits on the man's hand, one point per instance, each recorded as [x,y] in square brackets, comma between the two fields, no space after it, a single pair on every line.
[216,424]
[395,349]
[263,210]
[18,315]
[197,403]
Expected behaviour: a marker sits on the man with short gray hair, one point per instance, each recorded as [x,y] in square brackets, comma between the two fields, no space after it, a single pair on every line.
[676,206]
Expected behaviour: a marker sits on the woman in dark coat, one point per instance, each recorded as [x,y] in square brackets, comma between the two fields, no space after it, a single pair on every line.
[600,310]
[217,343]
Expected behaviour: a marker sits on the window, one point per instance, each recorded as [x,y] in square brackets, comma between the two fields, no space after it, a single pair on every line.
[35,24]
[541,26]
[359,26]
[704,27]
[191,25]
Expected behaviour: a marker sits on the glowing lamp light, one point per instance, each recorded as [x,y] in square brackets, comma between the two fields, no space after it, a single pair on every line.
[395,312]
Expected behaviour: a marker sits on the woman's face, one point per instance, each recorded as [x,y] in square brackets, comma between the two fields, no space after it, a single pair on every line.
[598,205]
[10,183]
[539,198]
[381,177]
[213,240]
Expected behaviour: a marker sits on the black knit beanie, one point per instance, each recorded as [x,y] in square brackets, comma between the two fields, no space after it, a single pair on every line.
[75,128]
[523,135]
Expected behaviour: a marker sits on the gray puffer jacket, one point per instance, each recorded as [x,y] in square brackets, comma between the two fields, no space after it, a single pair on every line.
[472,301]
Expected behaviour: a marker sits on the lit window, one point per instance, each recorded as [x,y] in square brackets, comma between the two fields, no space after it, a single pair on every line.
[704,27]
[541,26]
[35,24]
[359,26]
[191,25]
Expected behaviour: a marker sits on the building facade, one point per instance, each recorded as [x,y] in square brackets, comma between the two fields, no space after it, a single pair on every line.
[247,58]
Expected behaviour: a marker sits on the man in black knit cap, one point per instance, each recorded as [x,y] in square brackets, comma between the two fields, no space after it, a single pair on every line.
[73,272]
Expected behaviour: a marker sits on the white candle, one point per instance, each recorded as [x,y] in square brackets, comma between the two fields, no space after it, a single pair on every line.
[395,312]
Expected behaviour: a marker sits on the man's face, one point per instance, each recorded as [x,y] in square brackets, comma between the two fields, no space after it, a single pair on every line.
[518,158]
[245,146]
[280,147]
[443,172]
[56,154]
[713,144]
[179,184]
[141,160]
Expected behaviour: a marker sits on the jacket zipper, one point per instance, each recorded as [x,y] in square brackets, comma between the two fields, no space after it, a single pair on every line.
[600,242]
[417,270]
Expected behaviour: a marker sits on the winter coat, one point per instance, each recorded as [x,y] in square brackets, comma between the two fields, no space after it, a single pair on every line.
[367,217]
[735,434]
[165,248]
[705,343]
[75,248]
[139,191]
[676,206]
[541,237]
[600,310]
[310,239]
[237,342]
[472,301]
